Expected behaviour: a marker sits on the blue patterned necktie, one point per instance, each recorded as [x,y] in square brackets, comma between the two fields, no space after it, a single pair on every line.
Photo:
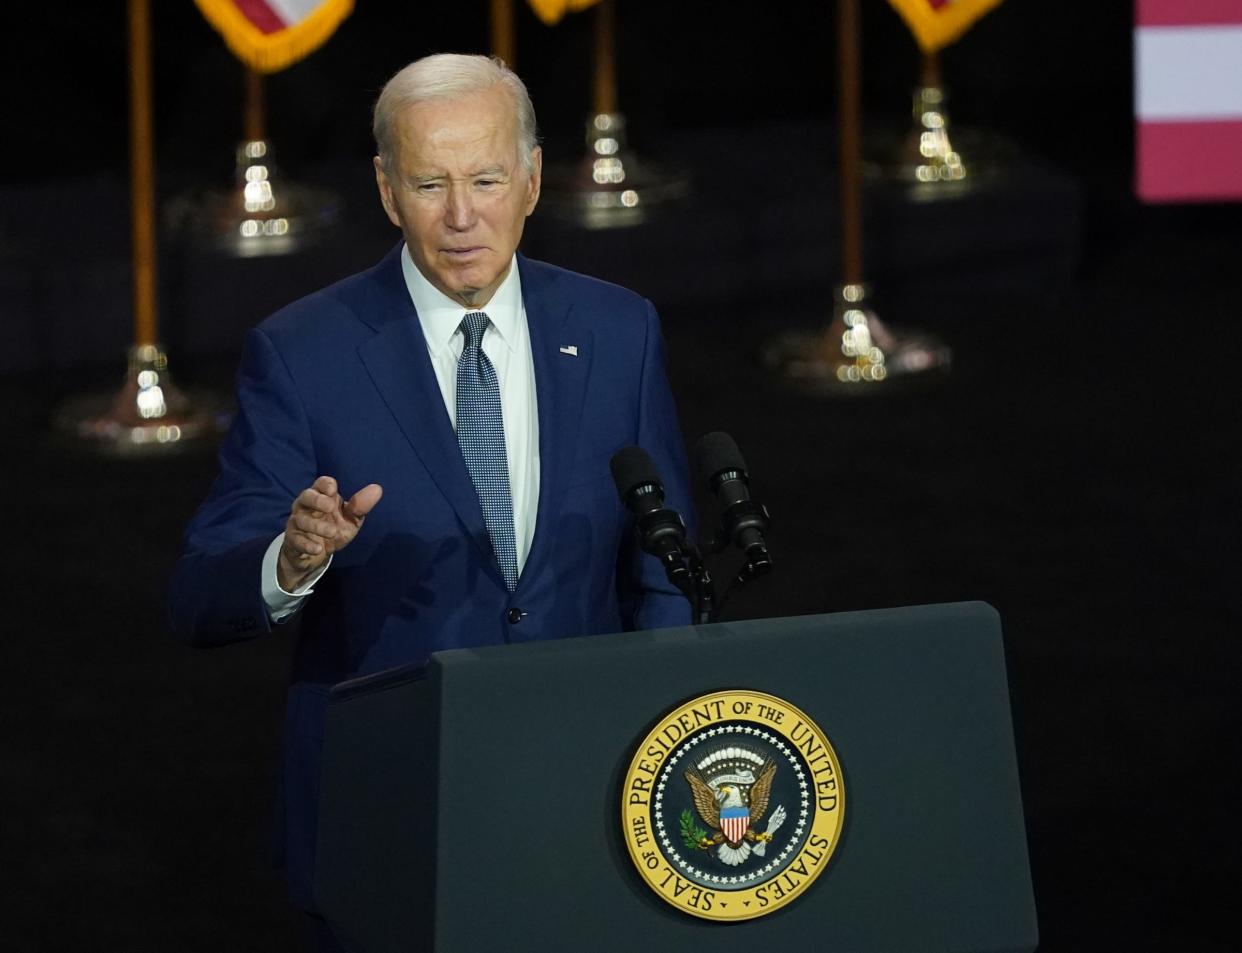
[481,433]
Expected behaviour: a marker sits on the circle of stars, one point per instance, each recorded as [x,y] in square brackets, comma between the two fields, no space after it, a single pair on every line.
[773,864]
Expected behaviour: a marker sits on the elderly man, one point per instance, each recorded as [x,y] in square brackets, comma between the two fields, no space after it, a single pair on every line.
[420,455]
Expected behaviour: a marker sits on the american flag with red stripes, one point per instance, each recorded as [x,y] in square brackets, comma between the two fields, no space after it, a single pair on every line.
[270,35]
[1188,100]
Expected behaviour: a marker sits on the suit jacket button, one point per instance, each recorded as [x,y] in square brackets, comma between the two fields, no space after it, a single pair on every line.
[514,616]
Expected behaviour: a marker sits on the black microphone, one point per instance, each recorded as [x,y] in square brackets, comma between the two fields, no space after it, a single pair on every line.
[661,531]
[744,521]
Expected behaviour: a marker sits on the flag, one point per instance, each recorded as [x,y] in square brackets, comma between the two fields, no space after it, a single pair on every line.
[937,23]
[1188,100]
[269,35]
[551,11]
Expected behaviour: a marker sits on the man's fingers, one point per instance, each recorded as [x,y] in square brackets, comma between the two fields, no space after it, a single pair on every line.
[362,502]
[319,523]
[320,496]
[312,499]
[298,544]
[310,523]
[325,485]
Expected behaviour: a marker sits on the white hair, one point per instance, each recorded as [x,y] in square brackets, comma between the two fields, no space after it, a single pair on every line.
[450,76]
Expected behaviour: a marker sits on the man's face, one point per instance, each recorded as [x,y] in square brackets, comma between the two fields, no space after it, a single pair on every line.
[459,192]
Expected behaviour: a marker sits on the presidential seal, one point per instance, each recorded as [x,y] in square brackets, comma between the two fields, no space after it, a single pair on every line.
[732,805]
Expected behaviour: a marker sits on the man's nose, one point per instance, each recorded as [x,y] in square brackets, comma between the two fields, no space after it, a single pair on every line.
[459,210]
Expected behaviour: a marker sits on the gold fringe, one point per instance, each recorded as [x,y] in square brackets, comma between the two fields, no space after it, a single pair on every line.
[551,11]
[272,52]
[937,28]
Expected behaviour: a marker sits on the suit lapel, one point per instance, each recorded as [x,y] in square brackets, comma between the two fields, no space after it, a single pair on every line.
[396,358]
[560,390]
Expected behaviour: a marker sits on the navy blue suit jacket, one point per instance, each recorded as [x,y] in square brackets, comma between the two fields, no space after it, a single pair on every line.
[340,383]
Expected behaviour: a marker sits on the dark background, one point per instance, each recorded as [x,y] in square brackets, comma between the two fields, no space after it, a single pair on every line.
[1078,470]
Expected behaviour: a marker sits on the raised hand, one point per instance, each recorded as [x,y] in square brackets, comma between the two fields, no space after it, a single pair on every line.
[319,524]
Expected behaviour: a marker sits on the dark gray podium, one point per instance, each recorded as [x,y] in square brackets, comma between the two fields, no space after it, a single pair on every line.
[475,808]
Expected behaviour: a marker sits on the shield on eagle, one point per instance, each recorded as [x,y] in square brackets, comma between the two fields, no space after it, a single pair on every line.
[734,822]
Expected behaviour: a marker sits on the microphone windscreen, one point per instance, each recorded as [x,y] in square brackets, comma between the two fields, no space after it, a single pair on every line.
[631,467]
[716,452]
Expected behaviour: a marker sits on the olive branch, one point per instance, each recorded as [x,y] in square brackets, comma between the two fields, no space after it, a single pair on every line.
[691,833]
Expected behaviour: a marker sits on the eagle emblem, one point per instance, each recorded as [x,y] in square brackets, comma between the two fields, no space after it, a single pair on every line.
[708,787]
[730,789]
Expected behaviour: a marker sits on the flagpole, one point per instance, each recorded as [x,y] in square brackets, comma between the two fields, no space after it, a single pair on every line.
[850,141]
[610,187]
[856,353]
[504,34]
[149,414]
[142,173]
[927,158]
[254,120]
[605,83]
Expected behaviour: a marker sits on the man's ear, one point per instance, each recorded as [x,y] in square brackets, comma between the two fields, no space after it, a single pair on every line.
[536,179]
[385,192]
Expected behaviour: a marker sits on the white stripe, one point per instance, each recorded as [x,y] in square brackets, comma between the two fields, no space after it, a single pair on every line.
[293,11]
[1188,72]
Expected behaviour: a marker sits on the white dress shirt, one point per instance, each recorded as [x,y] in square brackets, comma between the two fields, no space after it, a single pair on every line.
[506,342]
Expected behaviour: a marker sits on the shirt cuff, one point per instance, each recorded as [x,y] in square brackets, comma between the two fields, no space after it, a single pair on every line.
[280,603]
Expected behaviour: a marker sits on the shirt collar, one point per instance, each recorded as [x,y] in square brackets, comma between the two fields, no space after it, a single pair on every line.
[440,316]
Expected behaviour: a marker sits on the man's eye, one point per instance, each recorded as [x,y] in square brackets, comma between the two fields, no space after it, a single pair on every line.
[428,186]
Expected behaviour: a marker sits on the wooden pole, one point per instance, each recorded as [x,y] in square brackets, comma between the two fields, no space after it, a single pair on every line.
[255,121]
[142,171]
[851,142]
[504,39]
[931,70]
[605,87]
